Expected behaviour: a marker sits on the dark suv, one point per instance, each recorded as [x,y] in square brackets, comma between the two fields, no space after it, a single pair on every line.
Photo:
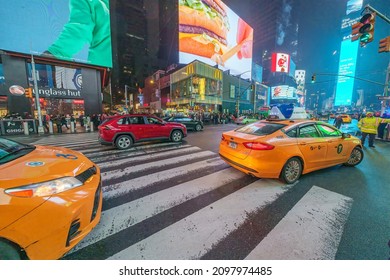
[122,131]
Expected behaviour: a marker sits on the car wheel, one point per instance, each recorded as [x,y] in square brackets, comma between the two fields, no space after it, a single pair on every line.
[355,158]
[198,127]
[291,171]
[123,142]
[8,252]
[177,136]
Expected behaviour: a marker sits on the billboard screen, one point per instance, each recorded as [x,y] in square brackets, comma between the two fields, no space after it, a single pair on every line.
[283,92]
[211,32]
[280,63]
[74,30]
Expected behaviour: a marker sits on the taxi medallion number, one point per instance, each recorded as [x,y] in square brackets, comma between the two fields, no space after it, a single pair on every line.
[233,145]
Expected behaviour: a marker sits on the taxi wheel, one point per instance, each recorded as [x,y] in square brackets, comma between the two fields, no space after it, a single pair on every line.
[123,142]
[291,171]
[355,158]
[8,252]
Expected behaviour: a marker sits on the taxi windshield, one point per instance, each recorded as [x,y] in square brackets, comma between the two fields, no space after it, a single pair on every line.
[261,128]
[10,150]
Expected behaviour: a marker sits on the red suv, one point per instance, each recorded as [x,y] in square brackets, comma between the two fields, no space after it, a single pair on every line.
[122,131]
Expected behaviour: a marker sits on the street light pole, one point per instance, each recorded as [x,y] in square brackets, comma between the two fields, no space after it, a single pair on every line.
[38,105]
[126,107]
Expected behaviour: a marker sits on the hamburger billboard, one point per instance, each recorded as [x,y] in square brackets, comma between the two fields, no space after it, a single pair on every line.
[211,32]
[72,30]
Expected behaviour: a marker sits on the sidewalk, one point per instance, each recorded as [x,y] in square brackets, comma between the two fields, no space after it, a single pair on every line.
[65,132]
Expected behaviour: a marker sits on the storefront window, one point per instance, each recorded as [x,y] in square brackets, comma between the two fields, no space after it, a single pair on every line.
[54,107]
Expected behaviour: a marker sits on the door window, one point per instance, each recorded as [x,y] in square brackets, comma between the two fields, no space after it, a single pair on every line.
[328,131]
[308,131]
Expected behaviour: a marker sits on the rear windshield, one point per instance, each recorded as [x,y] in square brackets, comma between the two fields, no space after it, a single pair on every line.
[260,128]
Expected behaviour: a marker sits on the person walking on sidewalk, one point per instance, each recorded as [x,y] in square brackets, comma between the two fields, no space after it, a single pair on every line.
[369,127]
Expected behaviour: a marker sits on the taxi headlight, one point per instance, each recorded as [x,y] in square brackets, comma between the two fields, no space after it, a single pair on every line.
[45,188]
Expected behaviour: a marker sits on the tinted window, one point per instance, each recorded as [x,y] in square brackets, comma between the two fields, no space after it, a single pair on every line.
[261,128]
[122,121]
[152,120]
[292,132]
[328,131]
[136,120]
[308,131]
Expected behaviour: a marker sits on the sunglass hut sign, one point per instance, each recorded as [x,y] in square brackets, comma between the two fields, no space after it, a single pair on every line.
[59,93]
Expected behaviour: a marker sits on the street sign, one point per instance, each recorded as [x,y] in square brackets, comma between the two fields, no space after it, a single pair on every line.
[384,97]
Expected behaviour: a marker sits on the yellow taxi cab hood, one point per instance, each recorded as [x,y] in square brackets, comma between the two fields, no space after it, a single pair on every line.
[42,164]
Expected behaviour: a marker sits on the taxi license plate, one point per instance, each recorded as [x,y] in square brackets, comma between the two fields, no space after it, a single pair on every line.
[233,145]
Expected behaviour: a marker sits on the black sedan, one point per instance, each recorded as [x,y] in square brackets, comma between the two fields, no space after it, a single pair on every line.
[188,122]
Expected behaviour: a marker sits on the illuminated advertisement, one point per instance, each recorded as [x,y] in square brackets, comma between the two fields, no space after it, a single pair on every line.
[211,32]
[280,63]
[348,56]
[283,92]
[74,30]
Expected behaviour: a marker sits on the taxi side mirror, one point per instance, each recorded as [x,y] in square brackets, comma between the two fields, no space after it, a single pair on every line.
[345,135]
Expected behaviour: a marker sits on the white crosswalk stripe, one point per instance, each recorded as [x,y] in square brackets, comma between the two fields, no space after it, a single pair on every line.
[153,181]
[192,237]
[317,219]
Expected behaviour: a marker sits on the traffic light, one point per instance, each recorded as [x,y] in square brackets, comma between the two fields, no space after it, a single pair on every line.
[355,31]
[384,45]
[28,92]
[367,29]
[313,78]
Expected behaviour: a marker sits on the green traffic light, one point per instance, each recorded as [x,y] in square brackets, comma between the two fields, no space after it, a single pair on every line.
[365,38]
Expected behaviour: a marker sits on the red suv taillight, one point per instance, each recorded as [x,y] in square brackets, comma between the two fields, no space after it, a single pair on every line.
[108,127]
[258,146]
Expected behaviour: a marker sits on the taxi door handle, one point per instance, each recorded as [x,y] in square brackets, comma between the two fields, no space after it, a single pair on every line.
[303,143]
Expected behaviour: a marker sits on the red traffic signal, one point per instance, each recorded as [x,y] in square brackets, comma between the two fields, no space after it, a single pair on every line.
[384,45]
[367,29]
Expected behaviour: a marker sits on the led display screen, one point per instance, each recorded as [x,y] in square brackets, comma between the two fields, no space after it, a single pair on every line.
[74,30]
[347,67]
[283,92]
[211,32]
[280,63]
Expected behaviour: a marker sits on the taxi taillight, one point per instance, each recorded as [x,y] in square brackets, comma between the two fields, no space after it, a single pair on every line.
[223,138]
[258,146]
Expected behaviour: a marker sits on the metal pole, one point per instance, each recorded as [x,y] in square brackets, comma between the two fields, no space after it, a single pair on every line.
[382,16]
[38,105]
[239,95]
[254,100]
[126,108]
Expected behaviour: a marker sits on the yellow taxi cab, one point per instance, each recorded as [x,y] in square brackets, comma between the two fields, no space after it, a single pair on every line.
[346,118]
[286,149]
[50,199]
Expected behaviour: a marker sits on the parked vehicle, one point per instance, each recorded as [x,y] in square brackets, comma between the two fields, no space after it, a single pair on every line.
[125,130]
[188,122]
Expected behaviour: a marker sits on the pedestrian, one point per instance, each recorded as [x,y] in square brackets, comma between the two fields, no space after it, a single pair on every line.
[81,120]
[64,122]
[58,121]
[369,127]
[338,122]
